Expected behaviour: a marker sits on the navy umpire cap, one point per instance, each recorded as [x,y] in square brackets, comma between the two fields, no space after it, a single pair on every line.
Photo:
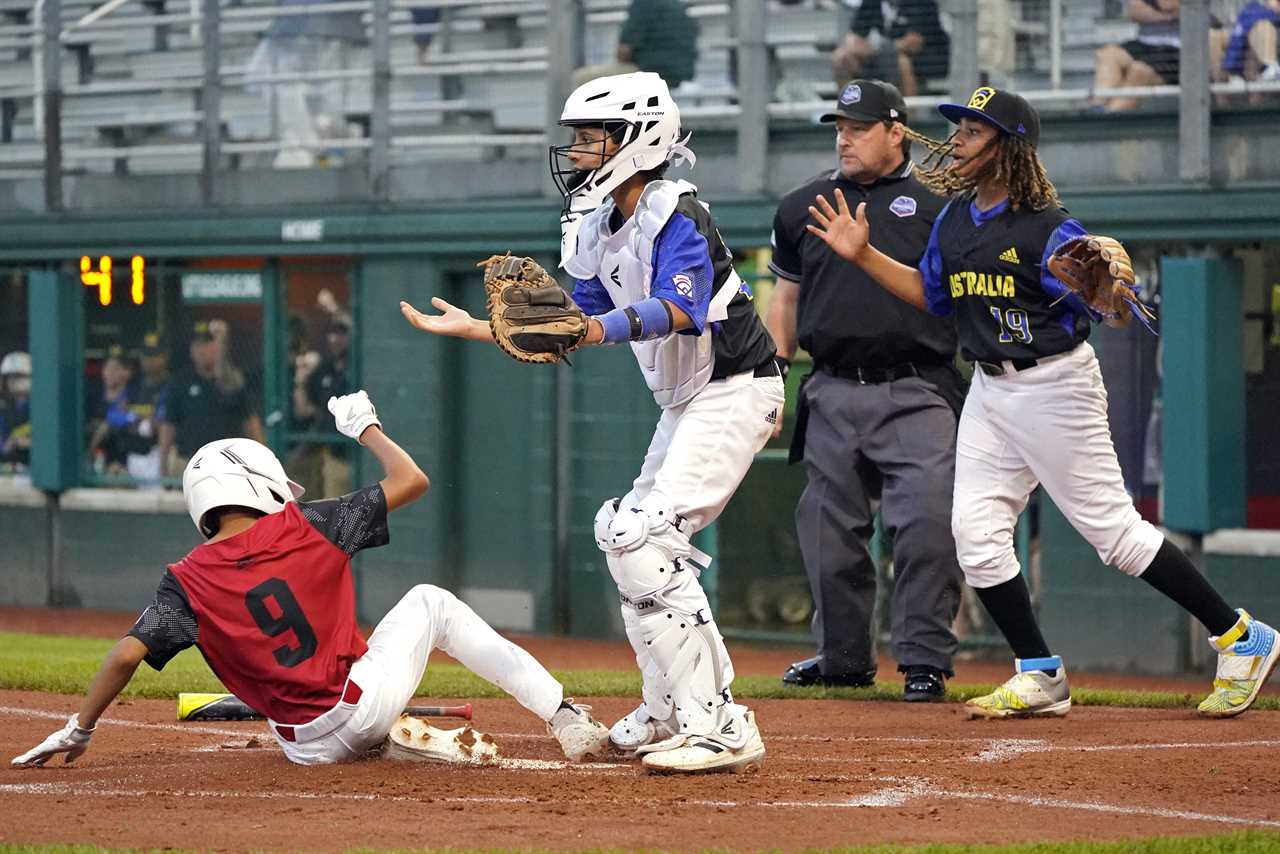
[868,101]
[1002,109]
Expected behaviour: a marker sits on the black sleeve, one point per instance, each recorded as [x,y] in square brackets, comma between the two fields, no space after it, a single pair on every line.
[177,400]
[785,260]
[357,520]
[935,60]
[868,18]
[168,625]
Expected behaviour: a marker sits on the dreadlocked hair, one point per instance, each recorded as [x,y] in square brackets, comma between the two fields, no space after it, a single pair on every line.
[1015,165]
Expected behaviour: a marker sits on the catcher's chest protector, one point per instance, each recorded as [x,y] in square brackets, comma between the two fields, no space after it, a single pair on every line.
[992,272]
[675,367]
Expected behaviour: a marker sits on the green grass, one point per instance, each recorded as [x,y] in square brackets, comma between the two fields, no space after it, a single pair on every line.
[65,665]
[1241,842]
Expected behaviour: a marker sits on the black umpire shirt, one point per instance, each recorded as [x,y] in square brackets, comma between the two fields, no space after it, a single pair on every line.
[844,319]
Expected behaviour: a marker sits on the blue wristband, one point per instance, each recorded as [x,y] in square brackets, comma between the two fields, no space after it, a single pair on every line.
[643,321]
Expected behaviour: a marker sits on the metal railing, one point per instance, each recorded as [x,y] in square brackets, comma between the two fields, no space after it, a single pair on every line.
[743,37]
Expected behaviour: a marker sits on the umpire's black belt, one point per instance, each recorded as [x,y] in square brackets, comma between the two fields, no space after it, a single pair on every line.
[872,376]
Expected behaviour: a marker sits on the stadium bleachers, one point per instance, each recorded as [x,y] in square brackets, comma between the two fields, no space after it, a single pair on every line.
[132,78]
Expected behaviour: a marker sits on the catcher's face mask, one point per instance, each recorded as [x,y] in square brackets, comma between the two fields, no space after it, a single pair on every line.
[582,163]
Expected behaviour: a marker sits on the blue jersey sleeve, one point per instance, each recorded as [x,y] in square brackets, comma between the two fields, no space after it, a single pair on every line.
[682,271]
[937,298]
[1054,289]
[591,296]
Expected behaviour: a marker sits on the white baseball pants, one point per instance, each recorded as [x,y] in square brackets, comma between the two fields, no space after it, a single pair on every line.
[699,453]
[389,673]
[1044,425]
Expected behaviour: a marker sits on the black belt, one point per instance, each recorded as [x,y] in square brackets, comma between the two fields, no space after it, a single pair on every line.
[996,369]
[767,369]
[871,376]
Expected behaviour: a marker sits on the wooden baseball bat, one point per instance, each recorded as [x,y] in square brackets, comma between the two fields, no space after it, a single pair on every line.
[228,707]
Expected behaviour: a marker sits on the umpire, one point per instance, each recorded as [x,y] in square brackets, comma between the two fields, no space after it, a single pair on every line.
[876,419]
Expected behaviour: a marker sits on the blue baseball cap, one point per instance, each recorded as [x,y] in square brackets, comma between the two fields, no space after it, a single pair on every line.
[1003,110]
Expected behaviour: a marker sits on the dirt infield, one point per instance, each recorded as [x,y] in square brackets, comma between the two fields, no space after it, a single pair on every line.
[837,773]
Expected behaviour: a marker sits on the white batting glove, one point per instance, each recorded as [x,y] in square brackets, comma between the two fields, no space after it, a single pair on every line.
[353,413]
[72,740]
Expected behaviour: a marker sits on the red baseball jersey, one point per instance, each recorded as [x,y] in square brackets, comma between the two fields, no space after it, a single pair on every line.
[273,609]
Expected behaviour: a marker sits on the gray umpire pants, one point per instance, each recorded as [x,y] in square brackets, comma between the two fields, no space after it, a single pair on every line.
[896,442]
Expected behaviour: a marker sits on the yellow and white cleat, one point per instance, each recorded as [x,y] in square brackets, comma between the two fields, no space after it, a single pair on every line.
[1243,665]
[1030,693]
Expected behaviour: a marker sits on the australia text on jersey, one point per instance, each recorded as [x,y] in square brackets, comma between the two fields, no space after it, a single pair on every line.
[981,285]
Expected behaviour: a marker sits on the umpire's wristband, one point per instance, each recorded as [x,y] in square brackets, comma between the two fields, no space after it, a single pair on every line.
[784,365]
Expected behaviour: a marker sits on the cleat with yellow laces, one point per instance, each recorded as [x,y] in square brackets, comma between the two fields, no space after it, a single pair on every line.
[1243,665]
[1030,693]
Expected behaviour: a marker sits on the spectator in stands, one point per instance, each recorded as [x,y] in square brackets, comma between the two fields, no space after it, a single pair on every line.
[997,43]
[330,377]
[1251,50]
[15,411]
[113,421]
[1152,58]
[151,402]
[300,43]
[902,43]
[207,402]
[422,18]
[659,36]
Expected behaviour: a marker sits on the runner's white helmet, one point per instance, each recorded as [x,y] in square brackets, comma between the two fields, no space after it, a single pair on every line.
[235,473]
[637,111]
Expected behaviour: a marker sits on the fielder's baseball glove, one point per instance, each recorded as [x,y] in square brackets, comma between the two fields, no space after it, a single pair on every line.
[1099,270]
[532,318]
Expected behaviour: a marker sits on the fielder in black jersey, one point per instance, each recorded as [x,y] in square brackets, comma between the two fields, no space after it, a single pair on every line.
[1036,413]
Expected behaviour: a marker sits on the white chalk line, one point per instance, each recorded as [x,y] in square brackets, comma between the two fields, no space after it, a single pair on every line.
[188,728]
[896,795]
[1004,749]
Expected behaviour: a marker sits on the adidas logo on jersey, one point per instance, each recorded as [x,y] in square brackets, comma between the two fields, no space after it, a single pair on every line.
[1010,255]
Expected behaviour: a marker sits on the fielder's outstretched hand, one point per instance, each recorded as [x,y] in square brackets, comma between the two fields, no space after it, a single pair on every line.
[452,321]
[72,740]
[353,414]
[847,234]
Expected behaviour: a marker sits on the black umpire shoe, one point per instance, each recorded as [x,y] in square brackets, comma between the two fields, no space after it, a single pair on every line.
[809,672]
[923,684]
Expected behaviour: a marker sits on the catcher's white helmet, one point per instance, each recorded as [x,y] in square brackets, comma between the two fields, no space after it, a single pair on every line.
[638,113]
[235,473]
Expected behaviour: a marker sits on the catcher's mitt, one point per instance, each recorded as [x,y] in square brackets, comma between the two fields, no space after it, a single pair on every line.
[1099,270]
[533,319]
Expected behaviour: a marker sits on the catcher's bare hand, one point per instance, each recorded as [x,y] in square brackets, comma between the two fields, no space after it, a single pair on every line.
[847,234]
[452,321]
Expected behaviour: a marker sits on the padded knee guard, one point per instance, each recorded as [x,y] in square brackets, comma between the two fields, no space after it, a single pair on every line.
[651,561]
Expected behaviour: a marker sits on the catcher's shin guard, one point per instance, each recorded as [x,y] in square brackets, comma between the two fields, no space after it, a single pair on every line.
[650,560]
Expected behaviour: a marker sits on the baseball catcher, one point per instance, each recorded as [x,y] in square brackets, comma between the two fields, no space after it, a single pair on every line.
[532,318]
[651,271]
[1098,269]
